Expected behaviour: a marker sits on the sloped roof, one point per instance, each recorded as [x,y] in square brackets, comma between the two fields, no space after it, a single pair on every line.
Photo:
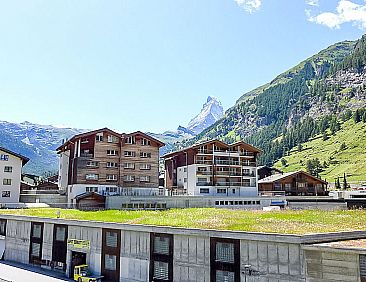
[194,146]
[277,177]
[146,136]
[24,159]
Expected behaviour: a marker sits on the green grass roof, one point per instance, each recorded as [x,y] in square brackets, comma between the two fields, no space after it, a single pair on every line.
[286,222]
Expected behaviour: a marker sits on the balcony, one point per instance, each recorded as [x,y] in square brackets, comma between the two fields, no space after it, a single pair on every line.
[86,155]
[228,173]
[227,162]
[206,162]
[204,184]
[247,154]
[251,164]
[204,172]
[204,152]
[249,174]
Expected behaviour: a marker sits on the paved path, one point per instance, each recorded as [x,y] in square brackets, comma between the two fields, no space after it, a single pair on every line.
[12,272]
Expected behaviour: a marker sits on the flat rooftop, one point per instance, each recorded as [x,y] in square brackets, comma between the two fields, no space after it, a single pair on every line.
[348,244]
[282,222]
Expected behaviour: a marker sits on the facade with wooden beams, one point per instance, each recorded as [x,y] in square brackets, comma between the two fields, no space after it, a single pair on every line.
[109,163]
[213,168]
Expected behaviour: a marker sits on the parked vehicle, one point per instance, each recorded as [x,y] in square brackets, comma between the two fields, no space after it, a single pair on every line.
[82,274]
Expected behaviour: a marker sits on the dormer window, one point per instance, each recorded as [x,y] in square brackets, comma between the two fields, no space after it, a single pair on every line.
[145,142]
[131,140]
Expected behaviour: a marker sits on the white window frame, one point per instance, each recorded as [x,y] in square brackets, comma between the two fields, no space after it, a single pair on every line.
[129,154]
[144,178]
[129,178]
[111,177]
[145,166]
[130,140]
[145,142]
[129,166]
[91,176]
[112,152]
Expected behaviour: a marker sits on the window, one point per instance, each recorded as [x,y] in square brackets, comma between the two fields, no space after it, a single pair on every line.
[130,140]
[99,137]
[91,176]
[110,262]
[161,257]
[145,142]
[185,169]
[6,181]
[363,267]
[300,184]
[37,230]
[3,227]
[5,194]
[221,191]
[129,154]
[145,178]
[112,153]
[8,169]
[234,191]
[129,166]
[84,140]
[185,180]
[145,166]
[225,260]
[111,189]
[112,139]
[91,189]
[145,155]
[129,178]
[60,233]
[200,179]
[4,157]
[112,165]
[111,249]
[204,190]
[111,177]
[92,164]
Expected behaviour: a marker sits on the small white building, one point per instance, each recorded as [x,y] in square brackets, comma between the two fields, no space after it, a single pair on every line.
[10,176]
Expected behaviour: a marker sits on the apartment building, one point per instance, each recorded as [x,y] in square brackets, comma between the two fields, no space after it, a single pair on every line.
[10,176]
[108,163]
[213,168]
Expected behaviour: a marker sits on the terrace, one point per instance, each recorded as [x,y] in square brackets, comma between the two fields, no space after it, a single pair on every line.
[284,222]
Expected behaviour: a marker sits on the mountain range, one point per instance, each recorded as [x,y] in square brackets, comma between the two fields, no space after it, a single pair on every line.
[39,142]
[311,100]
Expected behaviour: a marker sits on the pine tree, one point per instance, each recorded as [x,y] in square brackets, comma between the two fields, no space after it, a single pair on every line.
[356,116]
[345,184]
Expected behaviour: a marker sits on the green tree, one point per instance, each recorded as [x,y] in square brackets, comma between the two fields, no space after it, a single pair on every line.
[345,184]
[343,147]
[283,162]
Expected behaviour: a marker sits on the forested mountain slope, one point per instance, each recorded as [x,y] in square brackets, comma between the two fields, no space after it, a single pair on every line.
[299,104]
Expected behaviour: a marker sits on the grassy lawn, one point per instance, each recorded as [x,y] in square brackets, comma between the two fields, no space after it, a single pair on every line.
[351,161]
[288,222]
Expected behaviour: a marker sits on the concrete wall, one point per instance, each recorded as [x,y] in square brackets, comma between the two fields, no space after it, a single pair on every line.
[53,200]
[135,256]
[115,202]
[332,265]
[275,257]
[17,241]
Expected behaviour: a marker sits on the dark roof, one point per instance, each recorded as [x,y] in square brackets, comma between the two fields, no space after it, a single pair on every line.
[209,142]
[112,132]
[88,194]
[146,136]
[87,134]
[277,177]
[269,167]
[24,159]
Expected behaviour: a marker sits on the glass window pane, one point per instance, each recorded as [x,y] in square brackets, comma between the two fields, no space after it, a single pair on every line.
[36,250]
[111,239]
[2,227]
[37,230]
[161,245]
[225,252]
[161,270]
[224,276]
[110,262]
[60,233]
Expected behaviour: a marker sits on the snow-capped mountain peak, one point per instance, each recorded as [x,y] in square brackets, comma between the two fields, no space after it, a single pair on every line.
[211,112]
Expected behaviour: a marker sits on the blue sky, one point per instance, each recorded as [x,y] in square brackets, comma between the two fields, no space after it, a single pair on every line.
[150,65]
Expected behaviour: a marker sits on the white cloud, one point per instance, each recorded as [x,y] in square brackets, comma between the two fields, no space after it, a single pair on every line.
[312,2]
[249,5]
[346,12]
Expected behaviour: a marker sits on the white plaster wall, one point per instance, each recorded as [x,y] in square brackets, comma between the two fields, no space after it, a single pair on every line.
[63,170]
[15,176]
